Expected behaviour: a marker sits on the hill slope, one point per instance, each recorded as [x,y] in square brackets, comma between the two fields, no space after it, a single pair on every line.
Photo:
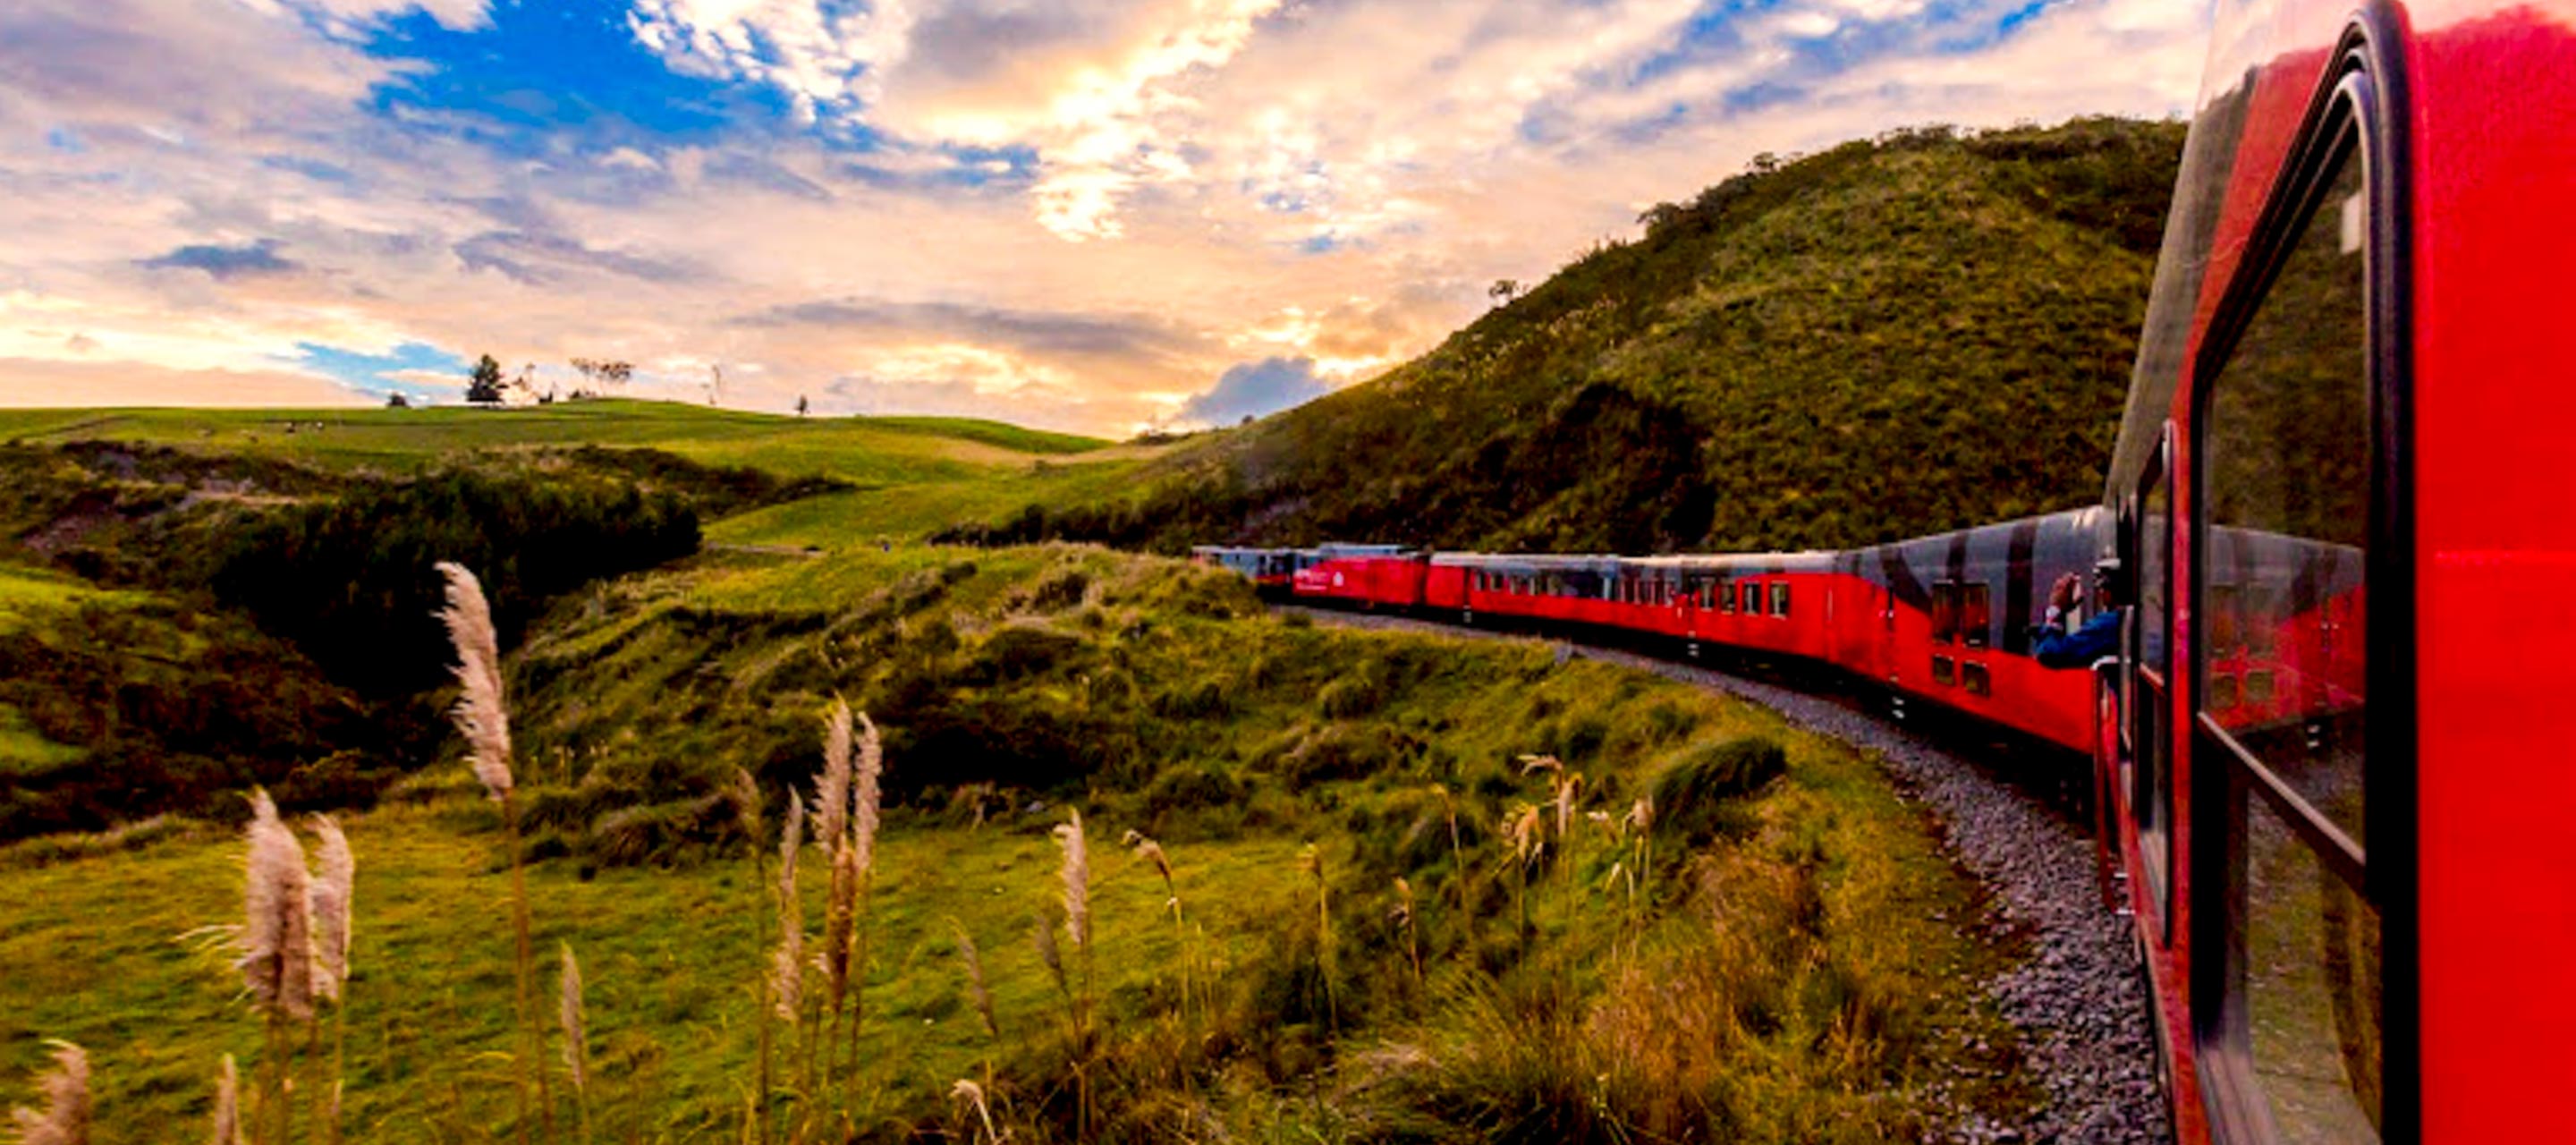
[1896,336]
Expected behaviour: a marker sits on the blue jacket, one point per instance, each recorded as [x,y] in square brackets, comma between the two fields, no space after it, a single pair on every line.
[2058,648]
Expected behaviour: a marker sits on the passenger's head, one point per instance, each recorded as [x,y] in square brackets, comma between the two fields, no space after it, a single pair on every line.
[2111,587]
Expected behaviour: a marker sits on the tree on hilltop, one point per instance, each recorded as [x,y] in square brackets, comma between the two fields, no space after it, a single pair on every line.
[483,386]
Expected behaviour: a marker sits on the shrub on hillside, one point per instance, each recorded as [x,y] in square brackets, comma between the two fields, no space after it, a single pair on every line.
[351,581]
[1696,795]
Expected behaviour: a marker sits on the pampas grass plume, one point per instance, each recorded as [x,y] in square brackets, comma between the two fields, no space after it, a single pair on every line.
[65,1120]
[973,1094]
[975,977]
[576,1052]
[277,908]
[228,1104]
[787,970]
[866,772]
[1077,881]
[333,896]
[480,714]
[832,784]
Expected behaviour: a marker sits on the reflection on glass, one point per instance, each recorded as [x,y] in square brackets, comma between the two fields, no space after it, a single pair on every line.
[2311,990]
[2287,453]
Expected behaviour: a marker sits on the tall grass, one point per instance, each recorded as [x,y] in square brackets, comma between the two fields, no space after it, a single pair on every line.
[483,717]
[1075,873]
[576,1040]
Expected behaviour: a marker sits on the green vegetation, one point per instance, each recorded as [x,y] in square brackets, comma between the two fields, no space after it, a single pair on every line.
[1411,979]
[863,451]
[350,580]
[1897,336]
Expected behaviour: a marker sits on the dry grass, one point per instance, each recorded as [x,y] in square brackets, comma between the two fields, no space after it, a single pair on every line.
[65,1120]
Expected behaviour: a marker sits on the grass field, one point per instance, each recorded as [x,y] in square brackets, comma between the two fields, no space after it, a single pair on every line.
[864,451]
[26,595]
[1791,980]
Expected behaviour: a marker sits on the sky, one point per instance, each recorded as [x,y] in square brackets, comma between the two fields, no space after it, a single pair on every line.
[1100,216]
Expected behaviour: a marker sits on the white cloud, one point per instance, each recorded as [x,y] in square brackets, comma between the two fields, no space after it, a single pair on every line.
[1335,181]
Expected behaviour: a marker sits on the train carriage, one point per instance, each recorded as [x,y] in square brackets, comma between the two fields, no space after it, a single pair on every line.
[1371,575]
[2333,757]
[1949,618]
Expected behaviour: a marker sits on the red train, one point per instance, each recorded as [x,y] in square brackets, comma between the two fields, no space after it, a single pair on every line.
[2333,757]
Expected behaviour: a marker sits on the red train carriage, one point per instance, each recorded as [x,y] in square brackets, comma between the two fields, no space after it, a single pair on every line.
[1948,619]
[1781,603]
[1374,575]
[1574,589]
[2335,752]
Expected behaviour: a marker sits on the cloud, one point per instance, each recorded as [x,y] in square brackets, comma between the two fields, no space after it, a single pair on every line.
[53,383]
[1326,182]
[1254,389]
[224,262]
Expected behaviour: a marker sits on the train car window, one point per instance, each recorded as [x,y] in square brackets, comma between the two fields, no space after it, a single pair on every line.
[1779,598]
[1974,620]
[1944,670]
[2284,500]
[2151,707]
[1976,679]
[1751,597]
[1725,596]
[1945,613]
[2222,607]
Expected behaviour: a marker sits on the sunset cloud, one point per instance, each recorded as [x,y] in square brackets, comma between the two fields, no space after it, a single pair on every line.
[1086,215]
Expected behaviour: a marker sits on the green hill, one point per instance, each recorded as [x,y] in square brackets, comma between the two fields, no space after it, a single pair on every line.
[864,451]
[1900,335]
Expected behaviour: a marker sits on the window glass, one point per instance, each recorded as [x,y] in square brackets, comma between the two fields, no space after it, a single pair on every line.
[1973,618]
[2152,703]
[2286,467]
[1976,680]
[1752,597]
[1779,598]
[1725,597]
[1945,614]
[2285,455]
[1944,670]
[2311,995]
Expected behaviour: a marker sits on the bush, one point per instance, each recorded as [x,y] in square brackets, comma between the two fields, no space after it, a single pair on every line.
[1695,795]
[351,582]
[1192,789]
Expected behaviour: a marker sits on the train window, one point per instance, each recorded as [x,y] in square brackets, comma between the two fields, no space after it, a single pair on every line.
[2151,707]
[2285,455]
[1945,614]
[1779,598]
[1752,597]
[1976,679]
[2285,459]
[2223,607]
[1725,597]
[1944,670]
[1973,617]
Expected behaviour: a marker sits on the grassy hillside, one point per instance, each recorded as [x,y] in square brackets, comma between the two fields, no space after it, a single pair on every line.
[1780,957]
[865,451]
[1896,336]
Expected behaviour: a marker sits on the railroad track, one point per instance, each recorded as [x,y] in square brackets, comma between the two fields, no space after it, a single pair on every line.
[2078,1000]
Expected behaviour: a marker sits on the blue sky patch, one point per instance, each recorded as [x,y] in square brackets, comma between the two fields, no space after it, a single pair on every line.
[545,74]
[371,373]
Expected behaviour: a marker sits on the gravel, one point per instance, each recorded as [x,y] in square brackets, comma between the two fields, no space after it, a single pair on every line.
[2079,1000]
